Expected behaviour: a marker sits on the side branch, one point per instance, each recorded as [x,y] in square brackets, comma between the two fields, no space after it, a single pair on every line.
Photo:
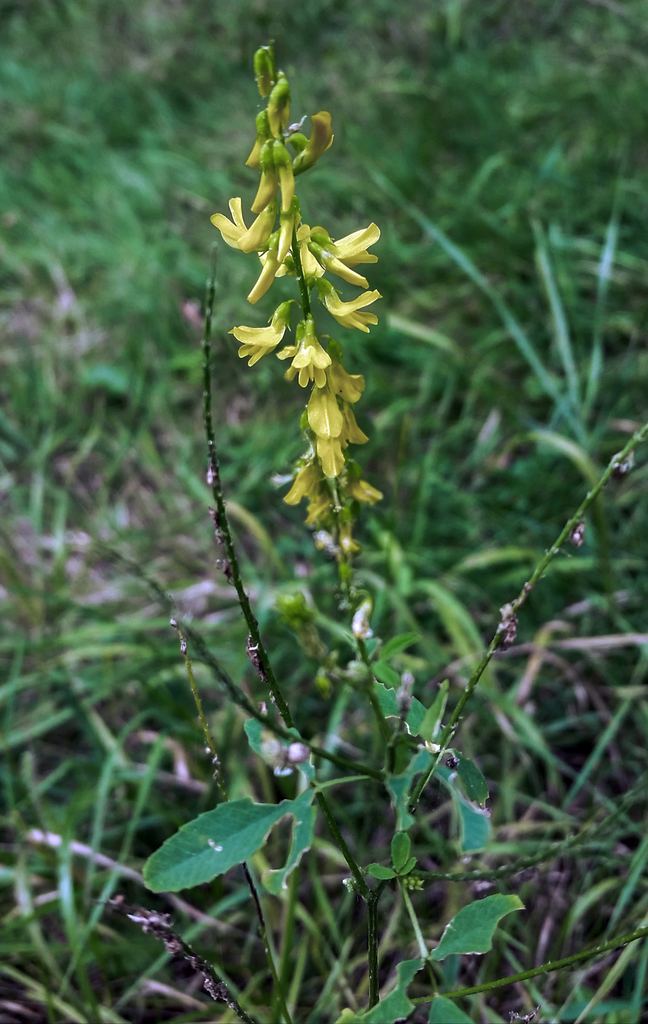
[507,626]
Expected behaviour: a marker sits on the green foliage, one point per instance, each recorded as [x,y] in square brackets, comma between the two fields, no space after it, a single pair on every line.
[444,1011]
[392,1007]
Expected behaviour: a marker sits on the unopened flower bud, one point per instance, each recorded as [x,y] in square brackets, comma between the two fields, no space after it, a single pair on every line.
[279,105]
[264,70]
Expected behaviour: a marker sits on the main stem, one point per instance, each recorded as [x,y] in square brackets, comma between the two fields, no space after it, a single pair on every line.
[448,732]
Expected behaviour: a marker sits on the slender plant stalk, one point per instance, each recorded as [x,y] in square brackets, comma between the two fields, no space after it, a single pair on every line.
[223,789]
[415,925]
[222,522]
[510,611]
[266,945]
[551,965]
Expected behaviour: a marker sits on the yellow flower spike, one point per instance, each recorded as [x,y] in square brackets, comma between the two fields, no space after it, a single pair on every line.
[324,416]
[362,491]
[348,385]
[269,179]
[350,429]
[231,230]
[279,105]
[258,234]
[270,267]
[321,138]
[258,341]
[283,164]
[289,222]
[309,358]
[306,484]
[348,313]
[329,452]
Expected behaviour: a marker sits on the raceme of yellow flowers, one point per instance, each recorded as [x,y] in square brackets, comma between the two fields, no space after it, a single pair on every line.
[326,474]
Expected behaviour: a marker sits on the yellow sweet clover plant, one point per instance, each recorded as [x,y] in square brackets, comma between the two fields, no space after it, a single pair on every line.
[326,474]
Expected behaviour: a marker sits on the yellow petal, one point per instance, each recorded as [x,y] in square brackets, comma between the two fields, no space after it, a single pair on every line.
[348,386]
[362,491]
[350,430]
[270,267]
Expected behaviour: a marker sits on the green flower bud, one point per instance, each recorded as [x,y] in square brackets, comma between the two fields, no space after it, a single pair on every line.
[264,69]
[263,134]
[279,105]
[321,137]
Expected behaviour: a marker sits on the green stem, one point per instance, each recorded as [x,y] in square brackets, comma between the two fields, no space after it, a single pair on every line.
[423,953]
[358,877]
[301,279]
[372,947]
[512,609]
[222,523]
[552,965]
[266,945]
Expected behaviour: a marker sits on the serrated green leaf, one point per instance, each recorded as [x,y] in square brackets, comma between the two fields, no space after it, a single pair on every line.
[474,782]
[472,929]
[401,845]
[385,673]
[397,644]
[444,1011]
[214,842]
[380,871]
[431,724]
[389,706]
[394,1006]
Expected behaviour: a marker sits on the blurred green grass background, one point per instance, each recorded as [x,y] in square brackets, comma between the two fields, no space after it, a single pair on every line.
[504,373]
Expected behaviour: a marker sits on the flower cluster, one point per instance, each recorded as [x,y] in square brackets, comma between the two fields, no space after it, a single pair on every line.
[326,475]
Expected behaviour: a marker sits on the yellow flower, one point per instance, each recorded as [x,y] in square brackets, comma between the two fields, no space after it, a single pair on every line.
[348,385]
[321,138]
[352,249]
[336,266]
[309,358]
[362,491]
[269,179]
[318,505]
[324,416]
[268,273]
[231,232]
[306,483]
[283,164]
[256,236]
[350,429]
[257,341]
[289,222]
[329,452]
[263,134]
[347,313]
